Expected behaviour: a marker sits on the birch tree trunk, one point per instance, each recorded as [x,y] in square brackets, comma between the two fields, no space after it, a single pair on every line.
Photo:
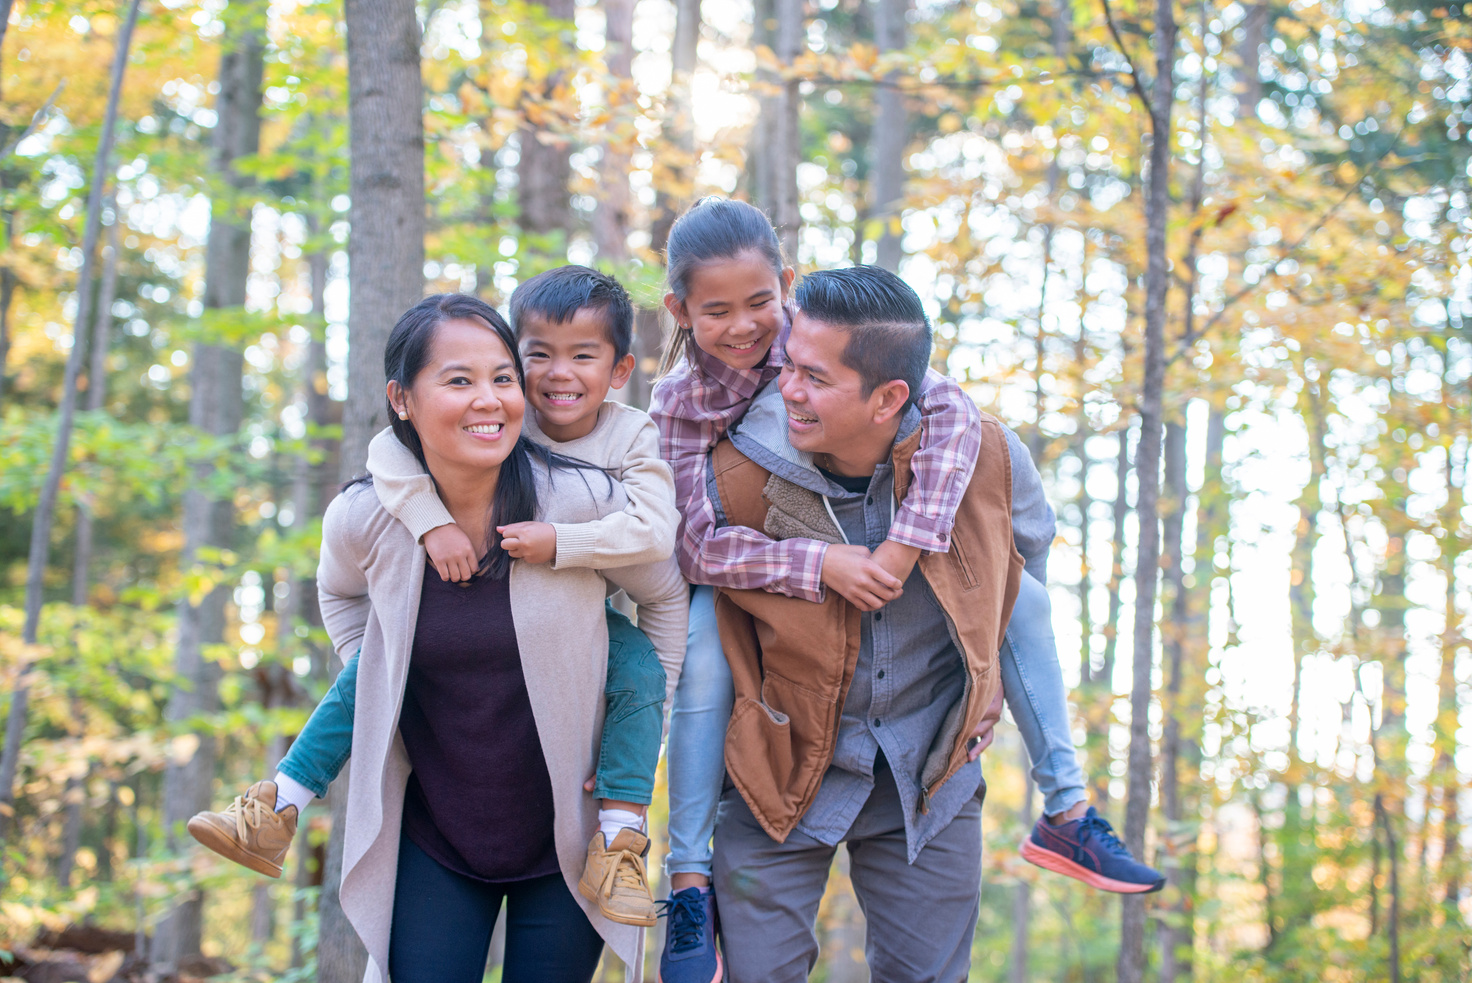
[1131,964]
[385,278]
[215,407]
[891,135]
[40,546]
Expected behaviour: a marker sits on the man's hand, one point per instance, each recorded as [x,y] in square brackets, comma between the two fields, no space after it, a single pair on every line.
[450,551]
[534,542]
[897,558]
[862,582]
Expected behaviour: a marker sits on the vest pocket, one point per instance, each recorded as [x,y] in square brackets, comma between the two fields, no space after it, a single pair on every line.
[962,563]
[776,766]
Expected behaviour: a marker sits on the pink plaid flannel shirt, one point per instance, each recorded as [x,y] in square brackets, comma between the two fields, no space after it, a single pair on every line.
[696,403]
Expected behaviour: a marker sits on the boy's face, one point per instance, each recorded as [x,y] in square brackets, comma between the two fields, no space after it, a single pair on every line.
[570,367]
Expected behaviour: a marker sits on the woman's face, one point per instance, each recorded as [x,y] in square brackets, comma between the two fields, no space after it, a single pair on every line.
[466,403]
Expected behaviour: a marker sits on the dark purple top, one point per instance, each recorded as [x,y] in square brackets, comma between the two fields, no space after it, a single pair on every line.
[479,800]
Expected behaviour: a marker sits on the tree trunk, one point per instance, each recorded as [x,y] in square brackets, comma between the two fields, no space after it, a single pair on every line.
[1116,566]
[1254,34]
[1174,934]
[7,295]
[215,407]
[1449,707]
[40,547]
[542,172]
[385,278]
[785,135]
[1131,966]
[1022,893]
[96,395]
[611,219]
[891,135]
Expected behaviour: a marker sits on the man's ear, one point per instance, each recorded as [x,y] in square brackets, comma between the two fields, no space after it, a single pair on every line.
[396,397]
[622,369]
[886,401]
[676,307]
[788,275]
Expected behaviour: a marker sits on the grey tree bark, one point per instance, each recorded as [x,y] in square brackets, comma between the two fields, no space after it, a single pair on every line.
[542,172]
[611,219]
[96,395]
[891,135]
[216,404]
[385,278]
[1131,963]
[785,135]
[40,547]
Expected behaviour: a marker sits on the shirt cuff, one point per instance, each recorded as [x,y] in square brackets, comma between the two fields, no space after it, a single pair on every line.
[806,579]
[576,545]
[912,529]
[420,514]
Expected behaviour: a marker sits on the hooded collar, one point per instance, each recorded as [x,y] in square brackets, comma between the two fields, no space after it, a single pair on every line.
[762,436]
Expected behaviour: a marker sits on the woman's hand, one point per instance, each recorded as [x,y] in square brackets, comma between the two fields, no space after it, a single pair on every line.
[534,542]
[450,551]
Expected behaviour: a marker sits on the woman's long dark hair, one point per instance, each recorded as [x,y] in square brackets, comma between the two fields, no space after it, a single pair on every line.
[405,355]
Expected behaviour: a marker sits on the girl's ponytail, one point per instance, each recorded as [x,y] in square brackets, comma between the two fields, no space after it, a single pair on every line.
[713,229]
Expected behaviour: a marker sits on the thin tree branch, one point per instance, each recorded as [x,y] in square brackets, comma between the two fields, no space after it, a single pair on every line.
[36,120]
[1135,82]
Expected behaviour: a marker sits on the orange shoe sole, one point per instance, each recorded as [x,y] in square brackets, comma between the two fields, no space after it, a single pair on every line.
[1049,860]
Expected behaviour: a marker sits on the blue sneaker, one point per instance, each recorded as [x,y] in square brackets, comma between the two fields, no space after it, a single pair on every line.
[1087,850]
[690,954]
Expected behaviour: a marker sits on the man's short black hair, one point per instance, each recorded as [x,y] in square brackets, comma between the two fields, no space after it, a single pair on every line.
[889,332]
[559,294]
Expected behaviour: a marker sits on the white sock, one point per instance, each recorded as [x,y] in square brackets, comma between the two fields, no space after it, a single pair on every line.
[290,792]
[610,821]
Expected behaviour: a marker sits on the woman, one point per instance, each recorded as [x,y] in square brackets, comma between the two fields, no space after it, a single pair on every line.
[479,709]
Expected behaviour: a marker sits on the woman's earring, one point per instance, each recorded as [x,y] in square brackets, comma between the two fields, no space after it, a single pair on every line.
[403,416]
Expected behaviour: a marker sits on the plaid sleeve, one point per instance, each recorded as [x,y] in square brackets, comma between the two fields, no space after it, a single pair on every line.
[950,440]
[746,559]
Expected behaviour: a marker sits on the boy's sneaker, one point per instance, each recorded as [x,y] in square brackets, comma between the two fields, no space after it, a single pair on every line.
[690,938]
[1086,849]
[249,831]
[614,878]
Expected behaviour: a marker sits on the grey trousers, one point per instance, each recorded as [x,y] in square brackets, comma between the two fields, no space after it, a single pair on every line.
[921,918]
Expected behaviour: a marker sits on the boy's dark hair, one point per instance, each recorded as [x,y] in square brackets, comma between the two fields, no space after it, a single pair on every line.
[889,332]
[559,294]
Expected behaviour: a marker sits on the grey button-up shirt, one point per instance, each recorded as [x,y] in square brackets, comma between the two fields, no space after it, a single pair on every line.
[909,675]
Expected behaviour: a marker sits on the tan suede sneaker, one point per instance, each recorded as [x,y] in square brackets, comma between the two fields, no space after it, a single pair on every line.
[615,880]
[249,831]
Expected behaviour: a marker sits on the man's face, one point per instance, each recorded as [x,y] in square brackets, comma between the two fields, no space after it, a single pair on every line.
[827,411]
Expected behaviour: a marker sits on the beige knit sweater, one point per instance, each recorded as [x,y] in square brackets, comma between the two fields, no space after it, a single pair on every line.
[369,581]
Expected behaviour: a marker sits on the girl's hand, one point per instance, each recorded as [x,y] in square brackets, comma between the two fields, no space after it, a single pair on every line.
[534,542]
[450,551]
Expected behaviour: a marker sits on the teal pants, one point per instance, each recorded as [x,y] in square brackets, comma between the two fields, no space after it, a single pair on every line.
[632,725]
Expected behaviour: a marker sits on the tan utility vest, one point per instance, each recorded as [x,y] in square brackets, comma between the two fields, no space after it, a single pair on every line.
[792,660]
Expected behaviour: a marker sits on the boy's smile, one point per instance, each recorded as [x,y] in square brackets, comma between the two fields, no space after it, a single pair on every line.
[570,367]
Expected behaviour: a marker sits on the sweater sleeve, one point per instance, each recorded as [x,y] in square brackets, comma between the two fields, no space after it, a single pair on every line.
[403,487]
[342,583]
[664,613]
[644,531]
[950,440]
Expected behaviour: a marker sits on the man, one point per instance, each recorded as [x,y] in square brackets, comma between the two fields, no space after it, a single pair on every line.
[859,720]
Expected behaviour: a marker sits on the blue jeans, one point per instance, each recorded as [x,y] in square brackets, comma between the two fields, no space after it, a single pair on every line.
[632,726]
[697,746]
[1032,683]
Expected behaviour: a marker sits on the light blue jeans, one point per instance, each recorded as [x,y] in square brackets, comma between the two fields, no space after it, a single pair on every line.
[1032,684]
[697,744]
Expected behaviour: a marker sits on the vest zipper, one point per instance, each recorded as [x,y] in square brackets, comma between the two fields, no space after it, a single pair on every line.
[924,799]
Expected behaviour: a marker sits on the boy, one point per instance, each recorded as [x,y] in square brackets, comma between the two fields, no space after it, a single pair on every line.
[573,328]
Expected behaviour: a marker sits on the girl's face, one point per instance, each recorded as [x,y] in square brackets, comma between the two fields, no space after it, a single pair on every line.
[466,403]
[734,308]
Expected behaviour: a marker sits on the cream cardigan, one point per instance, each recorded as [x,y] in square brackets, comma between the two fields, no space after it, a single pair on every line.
[369,581]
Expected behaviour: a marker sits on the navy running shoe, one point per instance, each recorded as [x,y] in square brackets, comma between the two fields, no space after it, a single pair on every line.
[1087,850]
[690,954]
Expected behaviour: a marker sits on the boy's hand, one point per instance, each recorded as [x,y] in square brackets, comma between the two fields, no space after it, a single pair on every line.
[863,583]
[451,553]
[534,542]
[897,558]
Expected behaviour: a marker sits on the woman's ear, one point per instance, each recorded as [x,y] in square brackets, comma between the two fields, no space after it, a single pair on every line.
[397,399]
[788,275]
[676,307]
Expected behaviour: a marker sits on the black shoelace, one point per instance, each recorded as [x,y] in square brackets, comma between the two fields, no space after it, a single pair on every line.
[686,913]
